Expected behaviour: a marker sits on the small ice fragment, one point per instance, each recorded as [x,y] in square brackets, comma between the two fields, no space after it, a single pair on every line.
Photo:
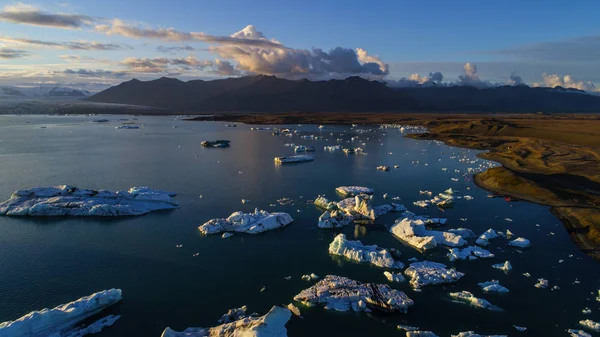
[588,323]
[245,201]
[226,235]
[492,286]
[263,289]
[542,283]
[520,328]
[394,277]
[420,334]
[509,219]
[586,311]
[578,333]
[294,309]
[288,278]
[310,277]
[506,266]
[178,246]
[526,274]
[520,242]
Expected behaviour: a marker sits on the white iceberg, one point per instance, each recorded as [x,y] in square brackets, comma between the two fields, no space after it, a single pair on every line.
[293,159]
[252,223]
[65,200]
[465,296]
[127,126]
[506,266]
[394,277]
[62,318]
[588,323]
[542,283]
[484,238]
[343,294]
[470,252]
[492,286]
[407,327]
[303,148]
[333,148]
[356,251]
[420,334]
[270,325]
[520,242]
[414,233]
[310,277]
[520,328]
[333,219]
[324,203]
[360,207]
[426,273]
[351,191]
[578,333]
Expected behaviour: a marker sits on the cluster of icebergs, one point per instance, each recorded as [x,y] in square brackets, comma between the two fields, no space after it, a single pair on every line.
[251,223]
[65,200]
[442,200]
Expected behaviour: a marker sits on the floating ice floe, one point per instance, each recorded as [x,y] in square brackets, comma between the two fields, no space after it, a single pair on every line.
[333,148]
[343,294]
[65,200]
[586,311]
[484,238]
[420,334]
[333,219]
[506,266]
[470,252]
[520,328]
[407,327]
[443,200]
[62,319]
[356,251]
[294,159]
[226,235]
[542,283]
[588,323]
[310,277]
[100,121]
[520,242]
[302,148]
[324,203]
[270,325]
[383,168]
[414,233]
[394,277]
[578,333]
[426,273]
[351,191]
[473,334]
[492,286]
[92,328]
[465,296]
[294,309]
[252,223]
[127,127]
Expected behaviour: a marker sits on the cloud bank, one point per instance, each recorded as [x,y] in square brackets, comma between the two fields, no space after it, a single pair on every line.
[73,45]
[27,14]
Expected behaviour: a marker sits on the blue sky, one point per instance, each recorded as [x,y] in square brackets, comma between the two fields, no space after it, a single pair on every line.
[401,38]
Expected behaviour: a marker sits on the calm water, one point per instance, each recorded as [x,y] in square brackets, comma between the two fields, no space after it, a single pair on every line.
[45,262]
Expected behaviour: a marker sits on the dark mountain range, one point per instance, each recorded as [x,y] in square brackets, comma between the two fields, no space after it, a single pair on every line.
[354,94]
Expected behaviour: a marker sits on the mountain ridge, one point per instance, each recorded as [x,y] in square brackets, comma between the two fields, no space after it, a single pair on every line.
[264,93]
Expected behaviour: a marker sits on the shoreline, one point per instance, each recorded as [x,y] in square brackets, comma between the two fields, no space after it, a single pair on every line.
[551,160]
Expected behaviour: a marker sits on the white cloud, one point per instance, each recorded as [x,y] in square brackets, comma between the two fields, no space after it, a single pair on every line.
[567,81]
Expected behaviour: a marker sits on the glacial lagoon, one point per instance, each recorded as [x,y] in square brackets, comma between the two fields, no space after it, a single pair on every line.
[173,276]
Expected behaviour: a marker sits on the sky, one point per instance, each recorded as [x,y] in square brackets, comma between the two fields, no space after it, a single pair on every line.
[92,44]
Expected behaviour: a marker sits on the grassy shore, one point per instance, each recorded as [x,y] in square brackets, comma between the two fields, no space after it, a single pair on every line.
[552,160]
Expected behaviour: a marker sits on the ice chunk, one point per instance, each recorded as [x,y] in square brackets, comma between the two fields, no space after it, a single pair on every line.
[520,328]
[270,325]
[333,219]
[464,232]
[65,200]
[363,206]
[426,272]
[93,328]
[343,294]
[294,159]
[226,235]
[127,126]
[492,286]
[333,148]
[506,266]
[310,277]
[252,223]
[471,253]
[394,277]
[302,148]
[407,328]
[588,323]
[486,236]
[215,143]
[414,233]
[351,191]
[467,297]
[360,207]
[542,283]
[383,168]
[420,334]
[324,203]
[355,250]
[294,309]
[62,318]
[520,242]
[578,333]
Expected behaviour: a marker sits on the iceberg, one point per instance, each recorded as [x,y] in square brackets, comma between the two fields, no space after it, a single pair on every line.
[492,286]
[420,334]
[251,223]
[578,333]
[127,127]
[360,207]
[520,242]
[310,277]
[62,318]
[542,283]
[333,148]
[351,191]
[471,253]
[215,143]
[588,323]
[302,148]
[383,168]
[233,315]
[343,294]
[484,238]
[356,251]
[506,266]
[271,324]
[414,233]
[465,296]
[394,277]
[294,159]
[426,272]
[324,203]
[333,219]
[65,200]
